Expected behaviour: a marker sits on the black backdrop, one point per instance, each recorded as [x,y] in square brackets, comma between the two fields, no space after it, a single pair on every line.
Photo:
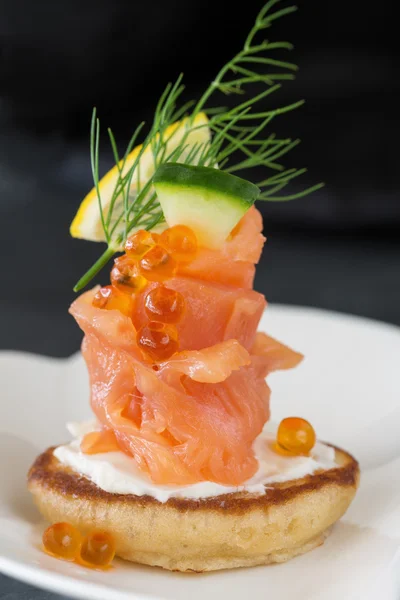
[337,249]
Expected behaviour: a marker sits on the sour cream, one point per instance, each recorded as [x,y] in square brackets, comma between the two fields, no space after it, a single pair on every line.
[116,473]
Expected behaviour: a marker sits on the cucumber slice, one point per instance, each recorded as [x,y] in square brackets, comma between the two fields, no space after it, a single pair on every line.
[209,201]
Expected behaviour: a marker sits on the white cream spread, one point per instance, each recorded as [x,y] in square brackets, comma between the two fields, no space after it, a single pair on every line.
[116,473]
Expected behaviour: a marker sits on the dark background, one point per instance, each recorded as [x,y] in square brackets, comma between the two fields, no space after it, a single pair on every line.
[337,249]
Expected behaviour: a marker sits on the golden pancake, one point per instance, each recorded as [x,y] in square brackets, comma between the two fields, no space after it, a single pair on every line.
[221,532]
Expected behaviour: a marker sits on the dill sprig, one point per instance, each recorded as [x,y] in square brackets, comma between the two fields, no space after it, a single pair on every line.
[238,131]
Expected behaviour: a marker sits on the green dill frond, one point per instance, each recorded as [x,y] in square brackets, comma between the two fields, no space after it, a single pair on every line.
[239,132]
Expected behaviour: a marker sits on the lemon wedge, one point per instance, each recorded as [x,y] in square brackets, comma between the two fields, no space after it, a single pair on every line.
[87,221]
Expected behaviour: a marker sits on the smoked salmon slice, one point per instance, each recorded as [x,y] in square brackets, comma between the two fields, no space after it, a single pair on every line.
[271,355]
[234,263]
[214,313]
[210,365]
[195,416]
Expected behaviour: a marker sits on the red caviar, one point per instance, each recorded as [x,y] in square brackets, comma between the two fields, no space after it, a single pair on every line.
[98,549]
[139,243]
[158,340]
[164,304]
[296,436]
[126,277]
[181,242]
[157,264]
[111,298]
[62,540]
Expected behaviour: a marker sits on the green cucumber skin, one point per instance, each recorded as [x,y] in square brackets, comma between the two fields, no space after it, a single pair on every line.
[178,176]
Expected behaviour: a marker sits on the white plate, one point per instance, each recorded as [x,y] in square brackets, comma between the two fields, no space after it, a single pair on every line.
[348,387]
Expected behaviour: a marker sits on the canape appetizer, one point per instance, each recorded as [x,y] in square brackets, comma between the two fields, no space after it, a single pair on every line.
[179,465]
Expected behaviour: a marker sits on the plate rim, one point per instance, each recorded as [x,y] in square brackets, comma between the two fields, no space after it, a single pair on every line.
[60,583]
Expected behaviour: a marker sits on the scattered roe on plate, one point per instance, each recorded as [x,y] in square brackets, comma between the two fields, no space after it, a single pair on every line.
[151,257]
[98,549]
[295,436]
[64,541]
